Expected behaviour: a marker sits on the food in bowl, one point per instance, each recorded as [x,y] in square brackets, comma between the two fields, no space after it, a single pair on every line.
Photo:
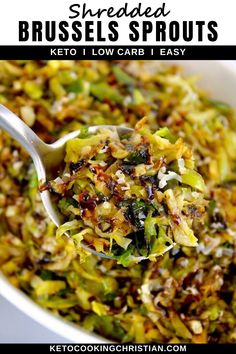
[131,197]
[186,295]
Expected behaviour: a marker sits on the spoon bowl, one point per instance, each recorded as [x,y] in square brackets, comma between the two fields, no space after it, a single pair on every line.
[47,158]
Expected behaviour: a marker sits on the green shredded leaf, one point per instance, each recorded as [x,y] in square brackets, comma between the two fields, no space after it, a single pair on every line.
[221,106]
[103,91]
[76,87]
[193,179]
[122,76]
[33,90]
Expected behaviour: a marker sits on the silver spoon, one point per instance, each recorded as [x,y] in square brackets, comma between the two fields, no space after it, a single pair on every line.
[46,157]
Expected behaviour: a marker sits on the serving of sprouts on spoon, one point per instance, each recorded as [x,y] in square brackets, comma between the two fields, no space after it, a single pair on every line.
[128,194]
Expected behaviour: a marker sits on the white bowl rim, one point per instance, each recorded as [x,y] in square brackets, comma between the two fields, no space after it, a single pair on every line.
[24,303]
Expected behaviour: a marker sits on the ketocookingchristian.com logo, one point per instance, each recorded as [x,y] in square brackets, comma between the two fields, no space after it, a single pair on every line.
[104,348]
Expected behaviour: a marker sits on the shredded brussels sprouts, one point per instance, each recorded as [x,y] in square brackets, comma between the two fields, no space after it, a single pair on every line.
[186,295]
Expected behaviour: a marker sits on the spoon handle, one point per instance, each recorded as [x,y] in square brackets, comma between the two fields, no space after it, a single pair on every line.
[22,133]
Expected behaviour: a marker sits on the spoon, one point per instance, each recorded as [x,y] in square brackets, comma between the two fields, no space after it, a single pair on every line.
[46,157]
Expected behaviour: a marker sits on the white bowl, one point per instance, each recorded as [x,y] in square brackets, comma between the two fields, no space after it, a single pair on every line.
[218,78]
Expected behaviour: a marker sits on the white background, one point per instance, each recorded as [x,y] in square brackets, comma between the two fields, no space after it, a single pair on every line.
[223,12]
[16,327]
